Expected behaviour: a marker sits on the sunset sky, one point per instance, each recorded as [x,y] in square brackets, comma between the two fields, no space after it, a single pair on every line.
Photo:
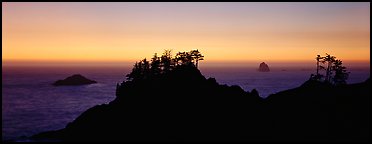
[233,32]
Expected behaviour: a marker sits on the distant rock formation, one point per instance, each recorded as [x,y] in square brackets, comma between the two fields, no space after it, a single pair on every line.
[76,79]
[263,67]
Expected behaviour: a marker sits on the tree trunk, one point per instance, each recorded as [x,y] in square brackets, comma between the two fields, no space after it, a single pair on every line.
[197,63]
[317,68]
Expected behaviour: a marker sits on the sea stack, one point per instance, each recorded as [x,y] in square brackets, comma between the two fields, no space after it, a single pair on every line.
[263,67]
[75,79]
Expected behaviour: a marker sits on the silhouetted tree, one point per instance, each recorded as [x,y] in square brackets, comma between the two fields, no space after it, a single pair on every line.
[135,72]
[341,75]
[146,68]
[196,55]
[165,60]
[140,70]
[183,57]
[335,73]
[161,65]
[155,65]
[317,64]
[189,58]
[318,76]
[329,60]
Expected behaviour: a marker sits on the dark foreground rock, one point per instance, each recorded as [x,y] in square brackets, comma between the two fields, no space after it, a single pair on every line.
[318,112]
[76,79]
[185,106]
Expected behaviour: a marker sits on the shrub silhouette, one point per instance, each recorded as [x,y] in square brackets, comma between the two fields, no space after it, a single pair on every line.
[161,65]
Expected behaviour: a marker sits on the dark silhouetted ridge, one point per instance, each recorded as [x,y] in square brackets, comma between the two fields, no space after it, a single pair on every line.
[318,111]
[182,105]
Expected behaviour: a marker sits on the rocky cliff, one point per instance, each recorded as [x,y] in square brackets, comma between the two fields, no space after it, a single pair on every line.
[184,106]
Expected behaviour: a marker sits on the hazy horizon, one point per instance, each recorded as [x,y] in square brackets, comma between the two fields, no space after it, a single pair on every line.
[300,64]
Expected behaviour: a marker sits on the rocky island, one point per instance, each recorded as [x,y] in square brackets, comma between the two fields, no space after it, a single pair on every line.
[176,103]
[75,79]
[263,67]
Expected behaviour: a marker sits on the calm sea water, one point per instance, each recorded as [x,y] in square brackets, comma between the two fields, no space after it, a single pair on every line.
[30,104]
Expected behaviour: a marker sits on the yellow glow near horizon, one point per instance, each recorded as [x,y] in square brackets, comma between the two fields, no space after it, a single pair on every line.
[222,32]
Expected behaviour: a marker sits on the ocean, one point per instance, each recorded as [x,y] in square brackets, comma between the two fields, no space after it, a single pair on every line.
[31,104]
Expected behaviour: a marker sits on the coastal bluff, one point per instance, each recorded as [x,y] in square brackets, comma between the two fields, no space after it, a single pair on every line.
[183,106]
[173,102]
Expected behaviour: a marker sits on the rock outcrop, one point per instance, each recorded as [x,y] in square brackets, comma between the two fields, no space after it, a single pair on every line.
[263,67]
[181,105]
[320,112]
[76,79]
[184,106]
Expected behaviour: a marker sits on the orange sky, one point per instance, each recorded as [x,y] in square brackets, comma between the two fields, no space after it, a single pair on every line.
[221,31]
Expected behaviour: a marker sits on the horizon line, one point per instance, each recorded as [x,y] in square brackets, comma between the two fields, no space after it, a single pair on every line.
[130,61]
[210,63]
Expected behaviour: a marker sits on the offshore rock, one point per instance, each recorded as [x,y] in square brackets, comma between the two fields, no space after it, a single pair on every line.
[263,67]
[76,79]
